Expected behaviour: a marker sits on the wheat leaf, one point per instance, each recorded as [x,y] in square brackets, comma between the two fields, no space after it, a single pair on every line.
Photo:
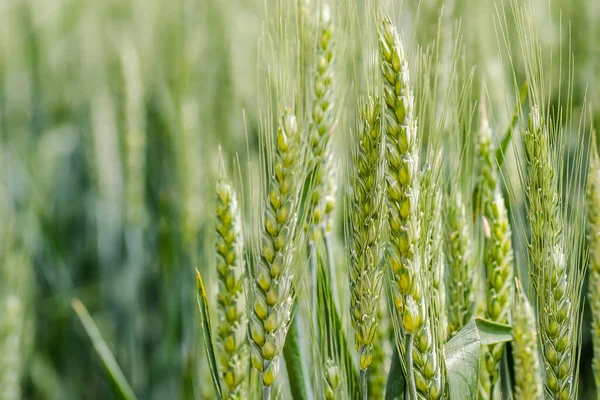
[110,364]
[394,388]
[463,355]
[295,360]
[207,334]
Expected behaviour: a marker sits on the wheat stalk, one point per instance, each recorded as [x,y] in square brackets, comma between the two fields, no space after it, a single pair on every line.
[272,289]
[231,299]
[528,373]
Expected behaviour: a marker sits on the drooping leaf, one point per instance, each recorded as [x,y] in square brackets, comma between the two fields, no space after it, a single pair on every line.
[394,388]
[207,335]
[463,355]
[110,364]
[295,359]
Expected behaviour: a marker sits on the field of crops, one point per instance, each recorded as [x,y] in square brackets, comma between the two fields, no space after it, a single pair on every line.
[299,199]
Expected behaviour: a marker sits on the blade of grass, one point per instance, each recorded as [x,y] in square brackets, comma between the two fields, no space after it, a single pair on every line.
[110,364]
[207,334]
[395,386]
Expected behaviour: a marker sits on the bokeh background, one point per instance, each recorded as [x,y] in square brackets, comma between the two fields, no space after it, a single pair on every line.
[112,113]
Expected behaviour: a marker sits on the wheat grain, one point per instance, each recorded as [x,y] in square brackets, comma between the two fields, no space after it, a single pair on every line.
[231,299]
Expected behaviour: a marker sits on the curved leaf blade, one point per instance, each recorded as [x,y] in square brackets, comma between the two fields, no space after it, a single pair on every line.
[108,360]
[463,355]
[207,335]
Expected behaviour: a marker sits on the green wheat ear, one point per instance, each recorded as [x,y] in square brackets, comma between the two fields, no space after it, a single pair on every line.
[272,287]
[593,193]
[460,264]
[231,299]
[402,181]
[366,201]
[528,373]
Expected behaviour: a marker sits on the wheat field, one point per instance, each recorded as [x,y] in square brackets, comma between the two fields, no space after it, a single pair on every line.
[299,199]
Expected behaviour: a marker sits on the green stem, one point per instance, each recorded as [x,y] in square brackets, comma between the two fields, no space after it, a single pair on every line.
[363,384]
[410,373]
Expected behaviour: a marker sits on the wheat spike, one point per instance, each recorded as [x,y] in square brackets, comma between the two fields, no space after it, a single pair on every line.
[231,299]
[528,373]
[323,120]
[366,200]
[402,182]
[558,314]
[460,263]
[593,192]
[272,289]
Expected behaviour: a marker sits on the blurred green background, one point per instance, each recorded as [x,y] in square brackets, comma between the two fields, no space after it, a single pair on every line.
[111,116]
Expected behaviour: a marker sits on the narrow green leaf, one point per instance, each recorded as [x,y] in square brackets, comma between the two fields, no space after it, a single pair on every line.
[463,355]
[333,337]
[207,334]
[110,364]
[394,388]
[295,360]
[501,151]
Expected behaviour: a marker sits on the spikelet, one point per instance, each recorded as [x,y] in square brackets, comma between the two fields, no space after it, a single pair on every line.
[366,200]
[231,298]
[528,373]
[460,264]
[402,182]
[593,193]
[272,289]
[333,381]
[377,372]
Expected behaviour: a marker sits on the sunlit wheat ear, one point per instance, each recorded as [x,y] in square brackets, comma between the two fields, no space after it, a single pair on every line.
[364,209]
[402,182]
[460,264]
[231,299]
[322,121]
[593,194]
[557,286]
[528,373]
[272,287]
